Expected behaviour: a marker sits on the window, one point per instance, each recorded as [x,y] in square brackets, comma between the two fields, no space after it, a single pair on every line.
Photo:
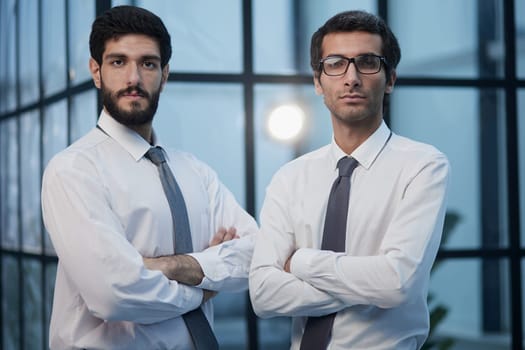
[461,87]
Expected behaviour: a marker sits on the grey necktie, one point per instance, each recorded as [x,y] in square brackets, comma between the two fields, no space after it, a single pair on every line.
[198,326]
[318,330]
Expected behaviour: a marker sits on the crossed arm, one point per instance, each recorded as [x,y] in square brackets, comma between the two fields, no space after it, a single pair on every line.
[186,269]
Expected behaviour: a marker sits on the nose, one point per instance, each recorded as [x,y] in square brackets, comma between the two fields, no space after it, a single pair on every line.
[352,77]
[133,74]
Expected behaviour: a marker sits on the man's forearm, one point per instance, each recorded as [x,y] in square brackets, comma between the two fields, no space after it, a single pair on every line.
[185,268]
[181,268]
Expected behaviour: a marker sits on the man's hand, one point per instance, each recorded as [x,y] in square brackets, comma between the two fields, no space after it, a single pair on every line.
[208,294]
[184,268]
[223,235]
[287,263]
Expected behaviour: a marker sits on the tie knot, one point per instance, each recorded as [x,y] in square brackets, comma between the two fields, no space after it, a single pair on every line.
[346,166]
[155,155]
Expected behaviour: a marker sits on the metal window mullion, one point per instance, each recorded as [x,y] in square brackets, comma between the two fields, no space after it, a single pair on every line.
[511,108]
[41,111]
[489,155]
[249,147]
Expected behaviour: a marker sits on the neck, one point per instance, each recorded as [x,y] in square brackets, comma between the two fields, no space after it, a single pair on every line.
[143,130]
[349,137]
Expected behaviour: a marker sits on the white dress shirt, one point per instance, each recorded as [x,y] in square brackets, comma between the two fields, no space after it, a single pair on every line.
[104,208]
[378,286]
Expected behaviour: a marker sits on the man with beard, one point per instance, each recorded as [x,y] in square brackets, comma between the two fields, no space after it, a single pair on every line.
[349,232]
[122,282]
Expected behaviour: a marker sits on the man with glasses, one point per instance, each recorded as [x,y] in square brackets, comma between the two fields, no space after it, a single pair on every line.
[349,232]
[142,232]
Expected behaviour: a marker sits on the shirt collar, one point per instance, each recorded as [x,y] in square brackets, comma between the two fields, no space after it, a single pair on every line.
[367,152]
[132,142]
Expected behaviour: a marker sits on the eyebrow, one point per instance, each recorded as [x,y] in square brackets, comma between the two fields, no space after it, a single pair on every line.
[359,54]
[121,55]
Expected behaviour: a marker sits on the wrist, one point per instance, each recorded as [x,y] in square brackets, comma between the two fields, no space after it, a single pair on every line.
[186,269]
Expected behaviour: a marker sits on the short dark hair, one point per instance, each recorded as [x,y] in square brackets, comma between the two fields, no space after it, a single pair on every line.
[351,21]
[122,20]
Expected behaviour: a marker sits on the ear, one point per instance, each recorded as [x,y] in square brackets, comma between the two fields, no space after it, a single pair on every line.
[390,82]
[318,86]
[94,68]
[165,75]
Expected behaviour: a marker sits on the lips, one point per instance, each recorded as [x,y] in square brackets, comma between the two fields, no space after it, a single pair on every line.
[133,95]
[352,97]
[133,92]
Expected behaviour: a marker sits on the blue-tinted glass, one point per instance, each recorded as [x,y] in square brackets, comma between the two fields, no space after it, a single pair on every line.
[464,306]
[84,113]
[448,46]
[229,320]
[30,178]
[9,188]
[28,41]
[54,44]
[8,51]
[520,37]
[271,154]
[33,327]
[205,38]
[50,276]
[11,300]
[206,120]
[449,118]
[283,47]
[54,132]
[81,16]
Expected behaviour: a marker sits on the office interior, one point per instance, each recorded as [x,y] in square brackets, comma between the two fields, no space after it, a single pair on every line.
[236,66]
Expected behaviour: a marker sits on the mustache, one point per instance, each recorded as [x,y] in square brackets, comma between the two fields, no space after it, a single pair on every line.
[133,89]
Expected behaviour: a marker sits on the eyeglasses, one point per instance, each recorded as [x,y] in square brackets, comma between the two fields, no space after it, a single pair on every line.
[364,64]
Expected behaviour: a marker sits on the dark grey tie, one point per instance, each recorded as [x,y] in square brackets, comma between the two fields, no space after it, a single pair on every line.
[198,326]
[318,330]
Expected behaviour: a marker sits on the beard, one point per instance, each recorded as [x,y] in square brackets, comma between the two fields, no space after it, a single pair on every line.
[136,115]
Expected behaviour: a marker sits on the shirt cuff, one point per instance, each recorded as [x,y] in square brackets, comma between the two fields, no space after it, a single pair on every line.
[301,262]
[191,296]
[212,266]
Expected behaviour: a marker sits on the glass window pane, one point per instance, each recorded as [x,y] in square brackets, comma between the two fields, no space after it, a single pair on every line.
[448,46]
[84,113]
[9,184]
[204,38]
[275,333]
[11,300]
[30,178]
[271,154]
[470,309]
[28,63]
[54,44]
[215,135]
[284,46]
[54,132]
[50,276]
[229,321]
[33,327]
[520,37]
[81,16]
[451,119]
[8,52]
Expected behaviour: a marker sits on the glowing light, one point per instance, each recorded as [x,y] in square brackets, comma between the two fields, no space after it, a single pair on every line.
[286,122]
